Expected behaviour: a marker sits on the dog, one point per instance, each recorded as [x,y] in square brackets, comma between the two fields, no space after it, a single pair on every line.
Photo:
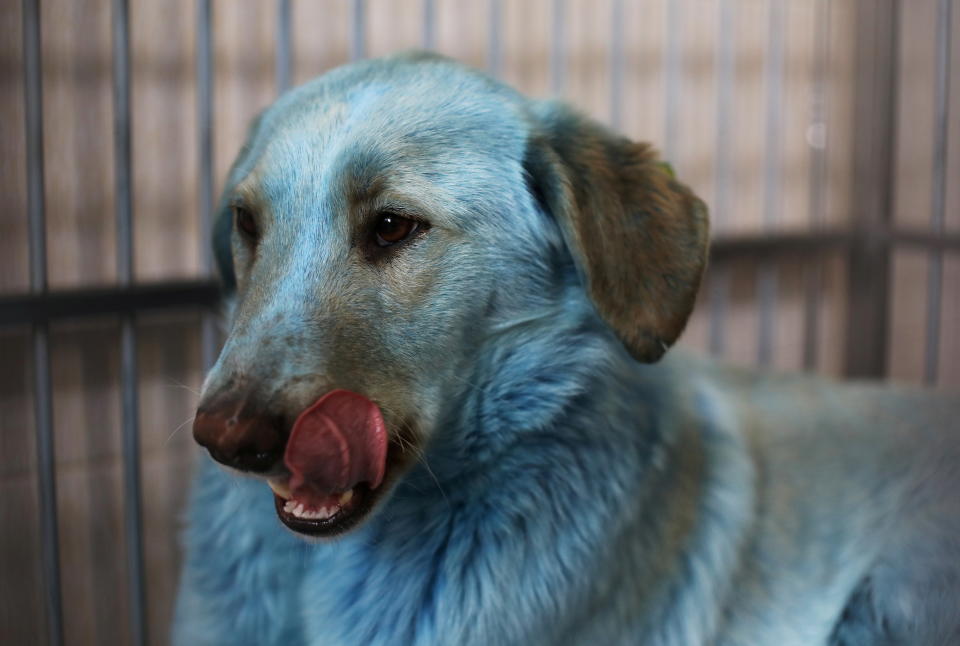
[445,376]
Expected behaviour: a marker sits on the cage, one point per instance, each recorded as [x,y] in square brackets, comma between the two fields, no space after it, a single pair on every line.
[820,134]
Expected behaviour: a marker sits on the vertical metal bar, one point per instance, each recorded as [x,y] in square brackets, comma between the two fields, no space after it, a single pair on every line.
[720,279]
[284,36]
[616,63]
[33,98]
[557,49]
[205,128]
[817,140]
[875,130]
[358,29]
[767,277]
[121,140]
[938,189]
[719,297]
[43,390]
[726,52]
[774,116]
[128,339]
[429,24]
[494,46]
[208,323]
[671,73]
[46,480]
[767,296]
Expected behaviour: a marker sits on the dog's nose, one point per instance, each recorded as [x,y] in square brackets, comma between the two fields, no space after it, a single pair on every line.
[244,441]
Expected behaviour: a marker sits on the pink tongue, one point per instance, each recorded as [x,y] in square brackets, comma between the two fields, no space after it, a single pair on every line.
[337,443]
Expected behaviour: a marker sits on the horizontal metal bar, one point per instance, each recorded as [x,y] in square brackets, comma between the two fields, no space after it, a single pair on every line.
[733,247]
[22,309]
[949,242]
[42,307]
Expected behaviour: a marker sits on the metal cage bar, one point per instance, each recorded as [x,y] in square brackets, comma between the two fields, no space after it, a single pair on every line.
[208,323]
[719,284]
[429,29]
[616,63]
[672,63]
[938,195]
[42,387]
[558,10]
[875,99]
[494,44]
[868,245]
[768,275]
[133,514]
[358,30]
[284,45]
[817,139]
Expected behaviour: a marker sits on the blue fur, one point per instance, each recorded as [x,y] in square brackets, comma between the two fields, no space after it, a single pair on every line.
[497,542]
[566,493]
[529,518]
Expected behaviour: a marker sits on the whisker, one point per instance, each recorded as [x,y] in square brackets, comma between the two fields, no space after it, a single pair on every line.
[179,384]
[189,420]
[417,453]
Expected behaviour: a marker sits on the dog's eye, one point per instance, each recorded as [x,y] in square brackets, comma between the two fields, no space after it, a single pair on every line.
[246,223]
[391,228]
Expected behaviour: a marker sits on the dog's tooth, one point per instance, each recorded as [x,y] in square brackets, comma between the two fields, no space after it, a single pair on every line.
[289,506]
[280,487]
[346,496]
[298,510]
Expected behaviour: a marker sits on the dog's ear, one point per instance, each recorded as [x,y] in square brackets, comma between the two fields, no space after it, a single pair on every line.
[638,236]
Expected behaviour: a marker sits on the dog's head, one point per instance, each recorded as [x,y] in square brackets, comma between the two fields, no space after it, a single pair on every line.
[378,227]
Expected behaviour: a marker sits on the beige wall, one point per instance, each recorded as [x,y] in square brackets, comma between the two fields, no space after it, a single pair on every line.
[79,193]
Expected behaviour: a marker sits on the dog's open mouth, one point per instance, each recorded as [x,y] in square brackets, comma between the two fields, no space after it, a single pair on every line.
[337,457]
[322,515]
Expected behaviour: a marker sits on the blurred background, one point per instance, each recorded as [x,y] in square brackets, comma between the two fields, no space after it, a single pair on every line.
[821,133]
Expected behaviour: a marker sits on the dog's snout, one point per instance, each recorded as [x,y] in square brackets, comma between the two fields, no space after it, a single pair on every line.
[239,439]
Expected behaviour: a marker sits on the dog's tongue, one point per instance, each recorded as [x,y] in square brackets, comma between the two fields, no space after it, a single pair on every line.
[337,443]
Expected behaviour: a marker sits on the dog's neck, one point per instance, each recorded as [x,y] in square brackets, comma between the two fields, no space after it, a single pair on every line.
[545,473]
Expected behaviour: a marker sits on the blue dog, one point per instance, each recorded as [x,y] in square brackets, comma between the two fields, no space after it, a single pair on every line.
[448,309]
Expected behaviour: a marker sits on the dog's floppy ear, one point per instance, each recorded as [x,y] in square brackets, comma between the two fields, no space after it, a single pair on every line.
[638,236]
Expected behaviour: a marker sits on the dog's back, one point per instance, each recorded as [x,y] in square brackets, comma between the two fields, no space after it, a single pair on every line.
[858,507]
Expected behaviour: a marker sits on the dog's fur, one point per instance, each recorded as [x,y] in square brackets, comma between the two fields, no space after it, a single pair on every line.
[566,490]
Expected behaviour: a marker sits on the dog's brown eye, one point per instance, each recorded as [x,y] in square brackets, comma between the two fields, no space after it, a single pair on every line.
[246,223]
[392,228]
